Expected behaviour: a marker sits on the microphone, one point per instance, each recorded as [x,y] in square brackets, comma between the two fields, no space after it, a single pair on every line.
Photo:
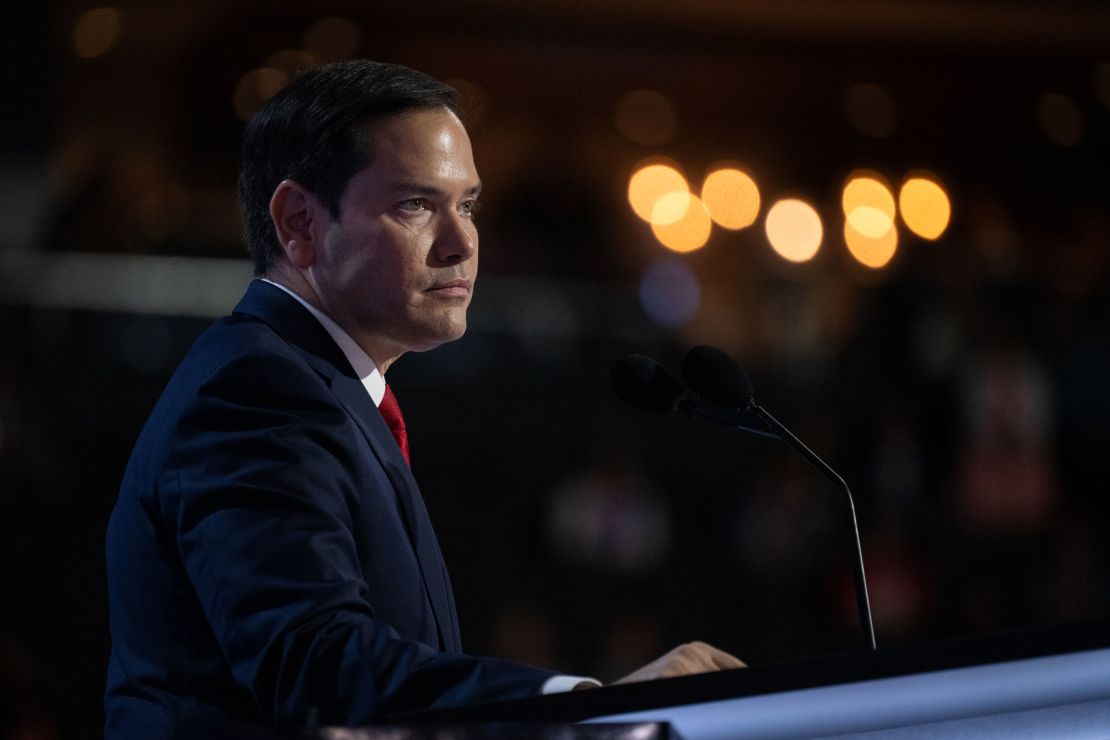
[717,377]
[644,384]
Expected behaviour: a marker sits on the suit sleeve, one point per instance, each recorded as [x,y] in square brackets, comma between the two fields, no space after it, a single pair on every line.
[257,494]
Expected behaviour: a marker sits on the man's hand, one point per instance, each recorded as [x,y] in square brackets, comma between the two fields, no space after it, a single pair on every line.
[693,657]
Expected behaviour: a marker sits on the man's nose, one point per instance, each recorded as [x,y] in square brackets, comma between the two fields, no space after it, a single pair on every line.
[457,239]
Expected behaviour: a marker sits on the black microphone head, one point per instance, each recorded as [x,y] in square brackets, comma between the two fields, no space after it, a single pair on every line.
[643,383]
[717,377]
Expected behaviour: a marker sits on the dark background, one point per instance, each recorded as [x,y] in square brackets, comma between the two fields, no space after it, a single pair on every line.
[963,390]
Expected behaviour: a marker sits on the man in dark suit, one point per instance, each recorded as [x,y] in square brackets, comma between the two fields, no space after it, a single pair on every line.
[270,560]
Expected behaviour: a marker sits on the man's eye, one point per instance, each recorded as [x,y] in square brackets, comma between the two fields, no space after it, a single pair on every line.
[469,207]
[414,205]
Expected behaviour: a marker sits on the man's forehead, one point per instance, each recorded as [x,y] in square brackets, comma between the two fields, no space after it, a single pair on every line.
[412,148]
[414,187]
[424,152]
[415,130]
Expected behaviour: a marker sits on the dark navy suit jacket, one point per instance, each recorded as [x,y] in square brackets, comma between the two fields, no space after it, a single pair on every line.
[270,560]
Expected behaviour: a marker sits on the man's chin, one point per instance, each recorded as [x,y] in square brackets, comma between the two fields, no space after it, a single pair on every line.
[440,335]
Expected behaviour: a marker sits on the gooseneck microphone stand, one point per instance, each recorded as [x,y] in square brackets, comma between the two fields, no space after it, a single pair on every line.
[863,605]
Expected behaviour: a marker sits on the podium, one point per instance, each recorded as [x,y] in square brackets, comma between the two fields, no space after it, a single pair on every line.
[1041,683]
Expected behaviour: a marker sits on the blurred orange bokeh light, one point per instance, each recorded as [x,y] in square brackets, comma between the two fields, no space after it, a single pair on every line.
[926,209]
[650,183]
[690,230]
[732,198]
[794,229]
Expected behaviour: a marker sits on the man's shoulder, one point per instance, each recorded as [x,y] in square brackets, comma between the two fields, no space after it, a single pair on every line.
[233,344]
[238,359]
[236,337]
[266,326]
[236,372]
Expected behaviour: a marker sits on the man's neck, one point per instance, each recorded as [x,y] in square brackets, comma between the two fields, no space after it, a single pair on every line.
[294,282]
[299,285]
[364,367]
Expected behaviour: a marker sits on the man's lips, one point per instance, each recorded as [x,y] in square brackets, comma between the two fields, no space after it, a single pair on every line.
[450,289]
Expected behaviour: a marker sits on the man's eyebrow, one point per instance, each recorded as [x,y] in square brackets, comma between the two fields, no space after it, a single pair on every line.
[418,189]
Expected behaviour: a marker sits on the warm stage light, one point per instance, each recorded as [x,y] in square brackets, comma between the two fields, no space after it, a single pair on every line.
[732,198]
[686,232]
[868,205]
[650,183]
[670,209]
[794,229]
[925,207]
[873,252]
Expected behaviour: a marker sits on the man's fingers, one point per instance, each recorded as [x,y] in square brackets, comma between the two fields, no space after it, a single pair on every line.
[711,658]
[699,657]
[723,661]
[693,657]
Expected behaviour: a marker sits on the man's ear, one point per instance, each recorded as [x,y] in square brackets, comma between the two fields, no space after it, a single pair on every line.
[300,221]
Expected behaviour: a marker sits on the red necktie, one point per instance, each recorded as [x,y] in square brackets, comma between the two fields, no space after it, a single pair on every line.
[391,412]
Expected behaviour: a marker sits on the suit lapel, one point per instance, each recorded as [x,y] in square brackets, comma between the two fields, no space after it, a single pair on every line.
[353,397]
[296,324]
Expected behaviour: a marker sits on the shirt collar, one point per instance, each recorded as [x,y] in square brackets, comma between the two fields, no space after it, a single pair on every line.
[364,367]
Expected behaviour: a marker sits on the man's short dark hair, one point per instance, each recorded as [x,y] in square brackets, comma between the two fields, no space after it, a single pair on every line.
[314,132]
